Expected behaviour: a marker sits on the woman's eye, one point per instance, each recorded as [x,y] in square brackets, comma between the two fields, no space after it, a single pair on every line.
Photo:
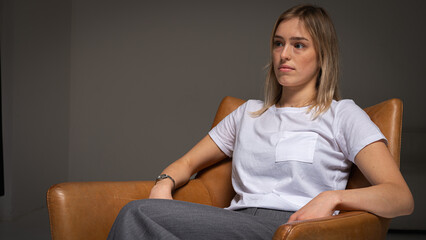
[299,45]
[278,44]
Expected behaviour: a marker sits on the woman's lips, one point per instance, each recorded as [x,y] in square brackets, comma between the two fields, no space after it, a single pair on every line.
[286,68]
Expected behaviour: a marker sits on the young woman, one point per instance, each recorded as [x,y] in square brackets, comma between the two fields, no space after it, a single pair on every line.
[292,153]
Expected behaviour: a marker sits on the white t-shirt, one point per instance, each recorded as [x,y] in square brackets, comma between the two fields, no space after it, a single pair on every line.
[282,159]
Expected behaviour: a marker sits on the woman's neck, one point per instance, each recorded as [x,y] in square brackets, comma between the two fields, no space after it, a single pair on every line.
[291,98]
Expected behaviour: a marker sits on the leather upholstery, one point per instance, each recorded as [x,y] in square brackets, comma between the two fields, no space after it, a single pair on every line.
[86,210]
[349,225]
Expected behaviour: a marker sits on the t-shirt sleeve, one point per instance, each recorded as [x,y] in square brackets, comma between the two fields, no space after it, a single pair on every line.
[224,133]
[355,130]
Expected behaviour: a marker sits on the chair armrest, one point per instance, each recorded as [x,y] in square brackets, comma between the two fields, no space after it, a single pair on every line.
[87,210]
[347,225]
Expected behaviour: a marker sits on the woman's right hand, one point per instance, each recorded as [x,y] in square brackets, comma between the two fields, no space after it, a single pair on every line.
[162,190]
[205,153]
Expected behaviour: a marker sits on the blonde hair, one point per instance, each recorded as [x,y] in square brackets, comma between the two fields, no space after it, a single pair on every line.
[320,27]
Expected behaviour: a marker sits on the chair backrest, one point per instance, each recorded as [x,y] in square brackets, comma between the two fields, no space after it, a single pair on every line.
[386,115]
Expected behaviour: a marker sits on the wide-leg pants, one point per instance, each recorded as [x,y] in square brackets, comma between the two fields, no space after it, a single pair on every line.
[172,220]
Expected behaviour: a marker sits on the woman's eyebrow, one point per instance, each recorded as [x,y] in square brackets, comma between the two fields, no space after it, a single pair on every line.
[293,38]
[299,39]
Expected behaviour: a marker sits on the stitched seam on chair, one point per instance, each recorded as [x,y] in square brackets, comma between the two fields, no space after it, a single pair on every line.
[337,218]
[208,191]
[286,233]
[48,198]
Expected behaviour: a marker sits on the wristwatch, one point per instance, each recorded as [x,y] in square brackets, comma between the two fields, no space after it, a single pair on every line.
[164,176]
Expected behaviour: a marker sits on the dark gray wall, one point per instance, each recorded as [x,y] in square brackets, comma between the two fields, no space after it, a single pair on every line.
[147,78]
[136,83]
[35,92]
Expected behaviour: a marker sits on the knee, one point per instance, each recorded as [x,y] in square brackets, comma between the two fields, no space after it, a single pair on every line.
[142,205]
[133,206]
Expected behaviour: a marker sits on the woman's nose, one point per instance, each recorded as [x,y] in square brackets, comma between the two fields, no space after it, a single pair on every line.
[286,53]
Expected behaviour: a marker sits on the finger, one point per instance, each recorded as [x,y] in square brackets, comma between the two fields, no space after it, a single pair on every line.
[292,218]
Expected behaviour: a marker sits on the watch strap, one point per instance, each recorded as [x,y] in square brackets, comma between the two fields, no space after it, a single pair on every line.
[164,176]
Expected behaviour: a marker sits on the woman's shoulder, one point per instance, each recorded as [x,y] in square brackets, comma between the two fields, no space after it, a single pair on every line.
[344,106]
[343,102]
[251,105]
[346,110]
[254,103]
[247,107]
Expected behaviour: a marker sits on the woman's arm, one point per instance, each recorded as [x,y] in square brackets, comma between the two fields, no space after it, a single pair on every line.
[389,195]
[202,155]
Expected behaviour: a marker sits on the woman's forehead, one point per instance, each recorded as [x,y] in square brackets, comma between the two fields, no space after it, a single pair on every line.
[292,28]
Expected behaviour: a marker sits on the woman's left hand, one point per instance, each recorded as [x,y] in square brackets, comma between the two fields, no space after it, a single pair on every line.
[322,205]
[389,196]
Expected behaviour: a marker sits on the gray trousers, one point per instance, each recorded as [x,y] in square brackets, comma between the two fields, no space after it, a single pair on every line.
[172,220]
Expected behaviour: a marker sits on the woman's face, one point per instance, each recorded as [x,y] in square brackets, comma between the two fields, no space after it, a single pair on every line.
[294,56]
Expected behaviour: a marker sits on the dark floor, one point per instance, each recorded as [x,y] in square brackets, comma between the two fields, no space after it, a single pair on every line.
[35,226]
[410,235]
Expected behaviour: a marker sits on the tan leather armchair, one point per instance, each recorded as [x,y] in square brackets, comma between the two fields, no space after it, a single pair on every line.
[86,210]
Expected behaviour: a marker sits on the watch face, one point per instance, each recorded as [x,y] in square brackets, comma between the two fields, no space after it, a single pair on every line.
[162,176]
